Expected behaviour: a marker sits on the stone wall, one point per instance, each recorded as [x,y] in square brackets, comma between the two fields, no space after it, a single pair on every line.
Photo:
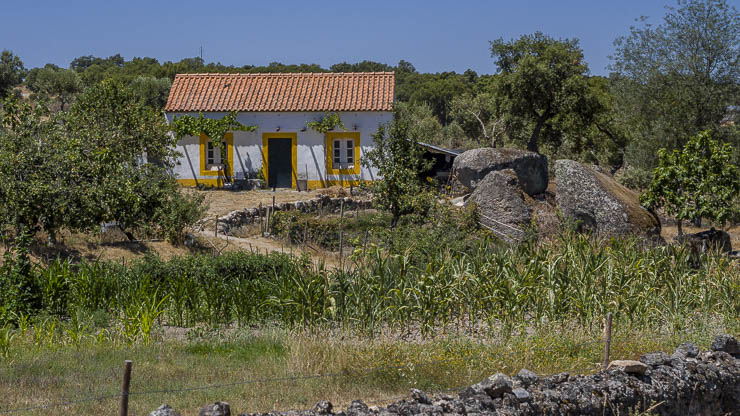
[322,203]
[688,382]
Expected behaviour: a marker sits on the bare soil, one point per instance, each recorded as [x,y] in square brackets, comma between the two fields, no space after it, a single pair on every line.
[221,202]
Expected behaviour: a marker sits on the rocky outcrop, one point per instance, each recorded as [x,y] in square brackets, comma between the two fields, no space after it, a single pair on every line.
[501,204]
[688,382]
[472,166]
[596,202]
[705,241]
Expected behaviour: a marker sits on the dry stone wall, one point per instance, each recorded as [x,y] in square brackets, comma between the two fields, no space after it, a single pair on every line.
[322,203]
[687,382]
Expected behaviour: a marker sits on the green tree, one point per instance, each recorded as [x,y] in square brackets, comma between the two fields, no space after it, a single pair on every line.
[700,181]
[542,88]
[398,160]
[104,160]
[52,81]
[11,72]
[364,66]
[478,117]
[678,78]
[152,91]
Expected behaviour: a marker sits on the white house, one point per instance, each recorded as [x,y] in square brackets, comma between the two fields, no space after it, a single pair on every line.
[282,150]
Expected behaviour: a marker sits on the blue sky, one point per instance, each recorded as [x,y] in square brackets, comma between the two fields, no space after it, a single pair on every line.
[433,35]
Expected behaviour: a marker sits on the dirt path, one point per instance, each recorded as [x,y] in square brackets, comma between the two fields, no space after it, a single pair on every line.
[267,245]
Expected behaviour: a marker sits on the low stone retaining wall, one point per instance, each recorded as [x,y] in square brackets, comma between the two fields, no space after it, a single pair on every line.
[688,382]
[321,203]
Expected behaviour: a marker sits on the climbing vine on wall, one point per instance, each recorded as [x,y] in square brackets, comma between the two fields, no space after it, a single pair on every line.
[329,122]
[215,129]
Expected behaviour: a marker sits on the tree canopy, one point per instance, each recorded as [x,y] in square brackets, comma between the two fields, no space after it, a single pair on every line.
[54,82]
[11,72]
[698,181]
[678,78]
[104,160]
[542,87]
[398,159]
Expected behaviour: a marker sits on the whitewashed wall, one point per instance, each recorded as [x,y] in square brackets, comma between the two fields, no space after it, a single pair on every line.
[311,145]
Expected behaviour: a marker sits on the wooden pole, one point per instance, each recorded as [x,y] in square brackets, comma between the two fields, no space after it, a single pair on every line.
[305,236]
[125,387]
[607,340]
[260,215]
[215,228]
[341,227]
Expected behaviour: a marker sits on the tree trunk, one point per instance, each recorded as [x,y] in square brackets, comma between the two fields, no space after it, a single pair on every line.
[396,215]
[680,228]
[532,146]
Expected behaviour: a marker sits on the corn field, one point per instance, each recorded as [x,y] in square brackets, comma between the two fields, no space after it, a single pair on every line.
[573,281]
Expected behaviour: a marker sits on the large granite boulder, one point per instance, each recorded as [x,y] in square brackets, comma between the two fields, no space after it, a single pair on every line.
[501,204]
[705,241]
[531,168]
[598,203]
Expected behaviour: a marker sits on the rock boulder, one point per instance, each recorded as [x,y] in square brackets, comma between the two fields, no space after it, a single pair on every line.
[598,203]
[531,168]
[501,203]
[705,241]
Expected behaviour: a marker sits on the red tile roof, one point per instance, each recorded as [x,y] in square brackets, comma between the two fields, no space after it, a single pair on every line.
[358,91]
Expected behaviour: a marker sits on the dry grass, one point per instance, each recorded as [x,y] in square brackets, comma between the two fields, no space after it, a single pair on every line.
[42,375]
[101,247]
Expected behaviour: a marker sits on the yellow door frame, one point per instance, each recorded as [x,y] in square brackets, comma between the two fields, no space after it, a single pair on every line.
[293,154]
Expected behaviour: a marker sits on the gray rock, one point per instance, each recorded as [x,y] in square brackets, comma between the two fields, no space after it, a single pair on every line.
[526,377]
[216,409]
[655,359]
[596,202]
[164,410]
[521,394]
[706,241]
[357,408]
[686,350]
[496,385]
[501,203]
[323,407]
[726,343]
[628,366]
[531,168]
[420,397]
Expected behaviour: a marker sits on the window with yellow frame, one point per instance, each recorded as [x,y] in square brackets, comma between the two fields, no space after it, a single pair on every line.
[214,159]
[343,153]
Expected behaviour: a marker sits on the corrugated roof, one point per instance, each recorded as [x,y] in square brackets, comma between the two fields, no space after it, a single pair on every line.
[358,91]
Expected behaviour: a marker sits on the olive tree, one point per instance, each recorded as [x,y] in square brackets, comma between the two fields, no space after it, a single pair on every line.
[677,78]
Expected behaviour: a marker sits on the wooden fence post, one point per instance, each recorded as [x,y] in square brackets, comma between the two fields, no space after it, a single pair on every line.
[607,341]
[125,387]
[341,227]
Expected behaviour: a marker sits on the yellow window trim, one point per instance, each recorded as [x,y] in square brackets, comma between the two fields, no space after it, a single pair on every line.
[293,154]
[330,136]
[229,138]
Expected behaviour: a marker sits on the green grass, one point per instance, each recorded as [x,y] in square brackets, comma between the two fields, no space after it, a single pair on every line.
[376,370]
